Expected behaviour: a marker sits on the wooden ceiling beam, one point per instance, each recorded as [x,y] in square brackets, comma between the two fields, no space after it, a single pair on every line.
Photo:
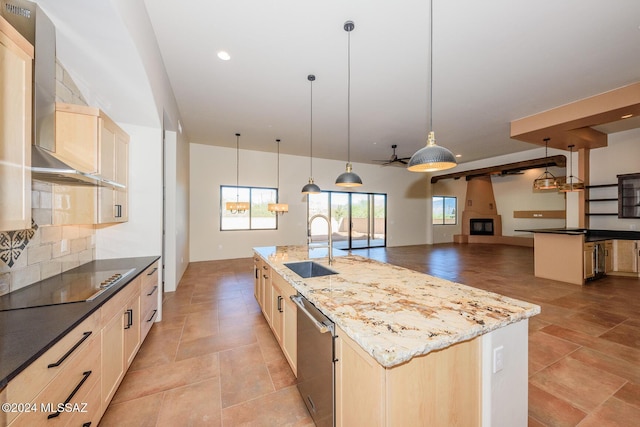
[557,160]
[573,123]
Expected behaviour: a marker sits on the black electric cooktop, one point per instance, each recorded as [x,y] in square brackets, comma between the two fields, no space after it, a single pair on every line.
[69,287]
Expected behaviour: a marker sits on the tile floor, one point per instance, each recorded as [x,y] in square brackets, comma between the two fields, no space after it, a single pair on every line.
[213,360]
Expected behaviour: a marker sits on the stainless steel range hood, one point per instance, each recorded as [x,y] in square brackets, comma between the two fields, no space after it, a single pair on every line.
[31,21]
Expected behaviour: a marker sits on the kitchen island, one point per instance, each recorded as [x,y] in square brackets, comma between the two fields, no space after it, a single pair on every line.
[575,255]
[415,347]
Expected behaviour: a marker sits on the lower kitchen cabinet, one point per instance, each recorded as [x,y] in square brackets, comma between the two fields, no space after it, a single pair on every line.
[442,388]
[272,293]
[67,371]
[626,257]
[589,261]
[85,368]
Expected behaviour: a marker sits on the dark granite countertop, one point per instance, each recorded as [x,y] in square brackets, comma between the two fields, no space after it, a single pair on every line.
[590,234]
[25,334]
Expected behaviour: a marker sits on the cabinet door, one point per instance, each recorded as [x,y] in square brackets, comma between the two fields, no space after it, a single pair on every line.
[277,313]
[625,257]
[608,256]
[131,330]
[76,136]
[289,334]
[267,288]
[256,281]
[589,262]
[16,56]
[113,368]
[114,166]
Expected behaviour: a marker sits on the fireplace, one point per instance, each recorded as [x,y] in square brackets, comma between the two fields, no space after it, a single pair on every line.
[481,227]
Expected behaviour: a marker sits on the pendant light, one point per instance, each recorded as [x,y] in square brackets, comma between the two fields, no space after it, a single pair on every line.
[432,157]
[278,208]
[546,181]
[572,183]
[348,178]
[311,188]
[237,206]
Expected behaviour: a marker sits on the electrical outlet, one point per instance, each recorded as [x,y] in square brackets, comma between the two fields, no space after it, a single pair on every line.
[498,359]
[64,245]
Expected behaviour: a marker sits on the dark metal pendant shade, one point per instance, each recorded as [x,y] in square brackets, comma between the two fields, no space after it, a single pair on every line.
[348,178]
[431,158]
[311,188]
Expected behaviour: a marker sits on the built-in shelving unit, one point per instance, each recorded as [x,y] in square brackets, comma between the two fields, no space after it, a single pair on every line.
[604,197]
[629,195]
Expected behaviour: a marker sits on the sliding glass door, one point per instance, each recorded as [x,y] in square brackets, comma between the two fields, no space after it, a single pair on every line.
[358,220]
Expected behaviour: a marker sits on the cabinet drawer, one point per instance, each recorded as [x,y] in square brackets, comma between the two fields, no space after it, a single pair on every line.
[33,379]
[286,289]
[150,276]
[114,305]
[71,388]
[147,320]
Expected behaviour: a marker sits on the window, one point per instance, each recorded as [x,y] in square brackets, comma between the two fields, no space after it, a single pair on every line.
[257,217]
[444,210]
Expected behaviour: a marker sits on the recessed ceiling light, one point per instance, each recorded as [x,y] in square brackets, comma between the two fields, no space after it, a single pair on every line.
[626,116]
[458,155]
[224,55]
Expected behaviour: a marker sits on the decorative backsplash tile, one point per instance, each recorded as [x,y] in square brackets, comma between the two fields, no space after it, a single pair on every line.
[13,243]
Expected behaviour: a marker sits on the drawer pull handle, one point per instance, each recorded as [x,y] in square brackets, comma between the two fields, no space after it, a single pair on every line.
[87,424]
[85,376]
[85,335]
[152,315]
[152,271]
[152,290]
[129,314]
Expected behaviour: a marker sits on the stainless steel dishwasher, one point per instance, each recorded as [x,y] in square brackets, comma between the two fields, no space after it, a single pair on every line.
[315,361]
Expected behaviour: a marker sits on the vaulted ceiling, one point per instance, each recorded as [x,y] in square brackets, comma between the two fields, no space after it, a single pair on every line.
[493,62]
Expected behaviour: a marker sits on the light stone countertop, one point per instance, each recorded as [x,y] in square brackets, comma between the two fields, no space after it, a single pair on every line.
[392,312]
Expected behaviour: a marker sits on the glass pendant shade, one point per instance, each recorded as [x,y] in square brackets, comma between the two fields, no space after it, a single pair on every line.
[348,178]
[237,207]
[311,188]
[546,181]
[432,157]
[572,183]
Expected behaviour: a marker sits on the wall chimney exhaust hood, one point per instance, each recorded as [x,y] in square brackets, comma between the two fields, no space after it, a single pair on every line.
[31,21]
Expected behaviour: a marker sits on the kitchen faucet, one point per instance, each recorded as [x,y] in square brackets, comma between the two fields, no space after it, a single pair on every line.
[330,245]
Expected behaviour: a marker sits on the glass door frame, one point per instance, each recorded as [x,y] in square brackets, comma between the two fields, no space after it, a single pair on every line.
[371,204]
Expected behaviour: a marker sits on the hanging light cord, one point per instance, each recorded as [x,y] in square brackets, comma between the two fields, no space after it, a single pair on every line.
[311,130]
[349,97]
[278,193]
[237,166]
[431,66]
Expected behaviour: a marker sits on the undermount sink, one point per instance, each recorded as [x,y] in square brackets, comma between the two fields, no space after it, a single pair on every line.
[308,269]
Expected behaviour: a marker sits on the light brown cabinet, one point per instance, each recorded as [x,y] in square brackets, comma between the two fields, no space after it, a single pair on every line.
[90,141]
[73,363]
[589,261]
[608,256]
[149,299]
[272,293]
[16,57]
[626,257]
[442,388]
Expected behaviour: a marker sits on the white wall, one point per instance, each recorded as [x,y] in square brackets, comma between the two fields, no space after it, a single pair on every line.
[141,235]
[621,156]
[512,193]
[214,166]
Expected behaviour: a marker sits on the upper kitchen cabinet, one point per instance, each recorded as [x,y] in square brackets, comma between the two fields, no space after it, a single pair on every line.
[90,141]
[16,57]
[629,195]
[114,166]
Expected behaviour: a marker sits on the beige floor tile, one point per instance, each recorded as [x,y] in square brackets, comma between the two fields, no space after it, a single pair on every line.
[282,408]
[244,375]
[142,412]
[192,406]
[613,412]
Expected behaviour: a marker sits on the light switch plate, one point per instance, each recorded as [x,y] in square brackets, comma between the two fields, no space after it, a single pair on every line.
[498,359]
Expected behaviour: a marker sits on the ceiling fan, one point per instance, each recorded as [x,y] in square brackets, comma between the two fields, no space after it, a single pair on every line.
[394,158]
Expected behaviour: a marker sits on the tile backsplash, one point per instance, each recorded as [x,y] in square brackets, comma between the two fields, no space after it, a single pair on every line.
[28,256]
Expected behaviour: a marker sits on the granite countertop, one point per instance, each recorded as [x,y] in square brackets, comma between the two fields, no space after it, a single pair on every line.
[25,334]
[395,313]
[591,235]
